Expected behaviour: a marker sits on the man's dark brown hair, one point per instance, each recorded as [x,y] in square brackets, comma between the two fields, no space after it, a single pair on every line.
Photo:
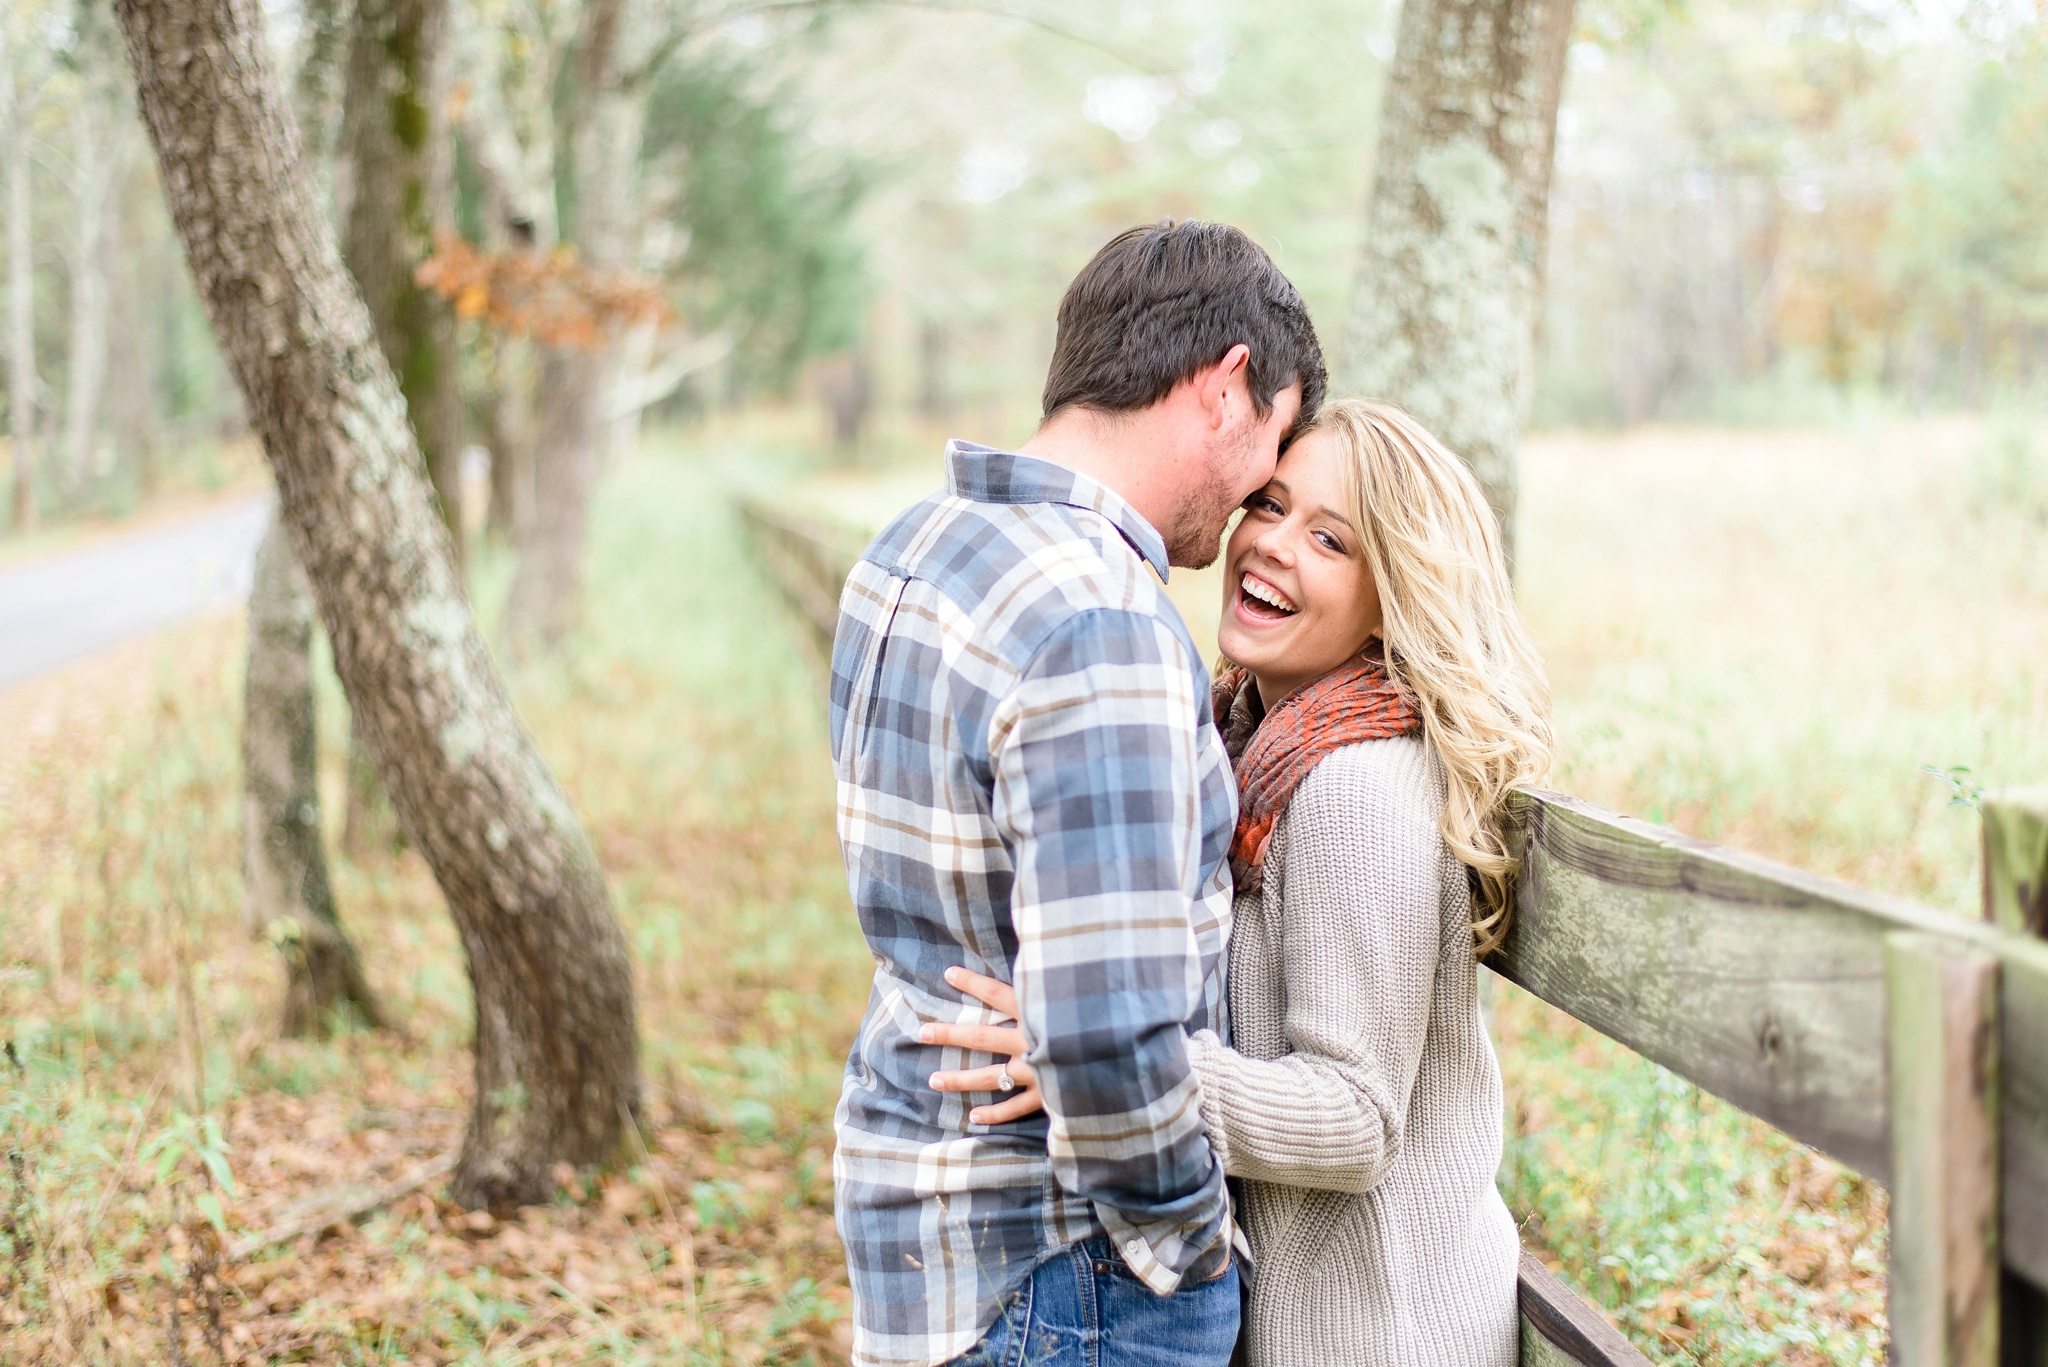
[1161,301]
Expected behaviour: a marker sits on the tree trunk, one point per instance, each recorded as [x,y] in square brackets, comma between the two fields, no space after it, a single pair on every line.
[95,156]
[934,370]
[557,1066]
[131,351]
[1450,282]
[21,307]
[848,396]
[317,84]
[506,417]
[394,138]
[391,189]
[603,140]
[284,868]
[547,577]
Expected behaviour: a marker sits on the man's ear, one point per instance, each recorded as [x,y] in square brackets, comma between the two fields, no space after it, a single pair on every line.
[1214,384]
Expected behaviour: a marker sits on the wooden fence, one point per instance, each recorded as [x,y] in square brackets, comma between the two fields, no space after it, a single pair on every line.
[1908,1043]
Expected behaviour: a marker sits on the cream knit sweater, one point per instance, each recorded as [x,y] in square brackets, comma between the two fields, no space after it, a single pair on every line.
[1361,1105]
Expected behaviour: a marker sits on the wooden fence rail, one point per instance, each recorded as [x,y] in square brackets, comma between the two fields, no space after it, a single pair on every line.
[1906,1042]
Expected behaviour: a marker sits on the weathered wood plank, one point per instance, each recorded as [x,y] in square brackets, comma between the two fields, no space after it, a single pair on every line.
[1763,984]
[1560,1330]
[1944,1285]
[2016,861]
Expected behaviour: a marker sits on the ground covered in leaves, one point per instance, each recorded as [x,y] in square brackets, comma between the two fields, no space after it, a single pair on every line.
[156,1128]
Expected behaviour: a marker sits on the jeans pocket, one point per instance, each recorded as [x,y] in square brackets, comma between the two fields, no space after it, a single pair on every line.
[1002,1344]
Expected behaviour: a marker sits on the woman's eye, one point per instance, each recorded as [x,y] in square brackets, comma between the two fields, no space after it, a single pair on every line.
[1330,543]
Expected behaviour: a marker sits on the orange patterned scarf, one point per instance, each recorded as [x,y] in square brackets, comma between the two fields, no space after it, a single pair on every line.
[1273,753]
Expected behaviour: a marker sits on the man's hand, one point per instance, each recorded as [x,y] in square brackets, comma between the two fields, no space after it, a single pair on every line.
[991,1039]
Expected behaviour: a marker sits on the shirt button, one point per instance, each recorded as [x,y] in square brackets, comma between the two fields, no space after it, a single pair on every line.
[1134,1248]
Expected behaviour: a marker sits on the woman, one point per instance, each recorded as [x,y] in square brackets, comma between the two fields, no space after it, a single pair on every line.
[1381,701]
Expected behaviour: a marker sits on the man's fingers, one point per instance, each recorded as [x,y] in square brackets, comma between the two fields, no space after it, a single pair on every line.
[1023,1104]
[992,1039]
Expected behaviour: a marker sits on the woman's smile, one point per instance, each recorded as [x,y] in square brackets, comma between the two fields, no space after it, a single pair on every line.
[1260,602]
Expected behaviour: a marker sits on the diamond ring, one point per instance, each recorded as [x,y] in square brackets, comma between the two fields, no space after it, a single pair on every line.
[1004,1082]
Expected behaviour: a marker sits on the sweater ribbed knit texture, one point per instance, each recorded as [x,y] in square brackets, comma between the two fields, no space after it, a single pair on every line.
[1361,1106]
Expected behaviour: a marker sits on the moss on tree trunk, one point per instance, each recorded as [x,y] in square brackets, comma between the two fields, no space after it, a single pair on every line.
[1450,281]
[394,189]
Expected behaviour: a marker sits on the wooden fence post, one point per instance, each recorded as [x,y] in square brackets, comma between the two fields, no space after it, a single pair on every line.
[1944,1296]
[2016,899]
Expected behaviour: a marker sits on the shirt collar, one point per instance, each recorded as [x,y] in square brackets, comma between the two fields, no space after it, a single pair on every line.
[988,475]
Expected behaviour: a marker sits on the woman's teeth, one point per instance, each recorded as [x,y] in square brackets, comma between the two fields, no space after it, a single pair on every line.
[1266,593]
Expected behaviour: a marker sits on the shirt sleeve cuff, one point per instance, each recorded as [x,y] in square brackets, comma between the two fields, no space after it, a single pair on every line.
[1167,1257]
[1204,1050]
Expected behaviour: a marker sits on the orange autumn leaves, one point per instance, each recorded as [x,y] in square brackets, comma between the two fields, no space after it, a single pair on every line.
[549,296]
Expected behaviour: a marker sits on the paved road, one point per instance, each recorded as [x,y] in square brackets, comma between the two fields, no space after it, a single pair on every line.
[58,610]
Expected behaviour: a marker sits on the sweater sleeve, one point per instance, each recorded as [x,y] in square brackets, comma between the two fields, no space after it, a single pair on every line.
[1359,942]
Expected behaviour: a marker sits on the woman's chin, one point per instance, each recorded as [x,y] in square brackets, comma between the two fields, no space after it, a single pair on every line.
[1252,647]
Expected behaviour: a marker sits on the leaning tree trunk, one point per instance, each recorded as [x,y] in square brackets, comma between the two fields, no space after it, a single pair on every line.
[557,1068]
[284,868]
[1450,282]
[21,308]
[576,382]
[397,187]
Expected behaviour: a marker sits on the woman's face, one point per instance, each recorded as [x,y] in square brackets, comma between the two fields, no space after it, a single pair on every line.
[1299,599]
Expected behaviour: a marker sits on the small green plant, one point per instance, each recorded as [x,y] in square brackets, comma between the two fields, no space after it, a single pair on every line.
[1963,788]
[198,1139]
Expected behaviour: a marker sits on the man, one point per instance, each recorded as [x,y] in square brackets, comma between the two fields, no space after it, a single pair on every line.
[1031,787]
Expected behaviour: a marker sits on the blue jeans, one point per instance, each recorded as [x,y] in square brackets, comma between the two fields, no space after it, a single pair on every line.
[1084,1308]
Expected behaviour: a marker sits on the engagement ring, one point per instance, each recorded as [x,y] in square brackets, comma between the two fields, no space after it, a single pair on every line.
[1004,1082]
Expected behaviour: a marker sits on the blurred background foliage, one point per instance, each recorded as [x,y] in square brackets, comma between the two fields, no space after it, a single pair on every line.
[1763,209]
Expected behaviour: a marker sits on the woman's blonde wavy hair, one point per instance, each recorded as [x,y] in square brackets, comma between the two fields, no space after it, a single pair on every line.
[1453,634]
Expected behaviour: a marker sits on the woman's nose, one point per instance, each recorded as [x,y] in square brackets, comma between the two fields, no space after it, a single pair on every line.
[1274,544]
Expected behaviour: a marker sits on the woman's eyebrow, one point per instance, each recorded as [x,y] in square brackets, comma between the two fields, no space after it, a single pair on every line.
[1333,515]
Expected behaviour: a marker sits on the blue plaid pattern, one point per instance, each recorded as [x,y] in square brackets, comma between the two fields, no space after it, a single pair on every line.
[1030,785]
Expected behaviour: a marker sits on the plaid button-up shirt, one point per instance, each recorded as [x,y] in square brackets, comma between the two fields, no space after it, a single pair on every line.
[1030,785]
